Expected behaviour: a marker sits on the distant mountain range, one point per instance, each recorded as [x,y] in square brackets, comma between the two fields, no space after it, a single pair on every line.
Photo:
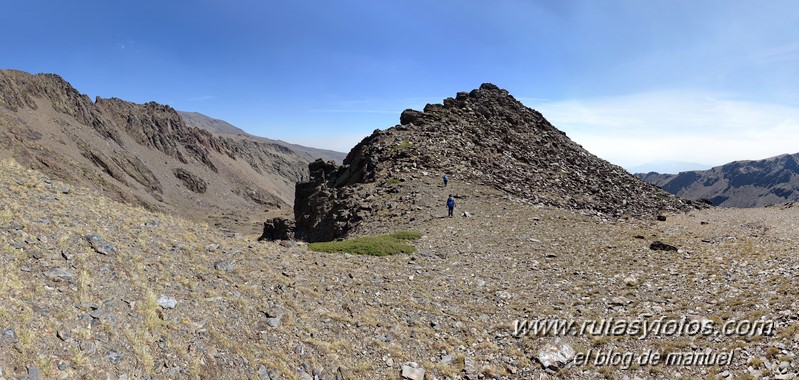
[736,184]
[221,127]
[667,166]
[149,154]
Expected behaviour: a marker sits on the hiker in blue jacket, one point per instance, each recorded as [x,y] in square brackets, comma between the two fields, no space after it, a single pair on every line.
[446,179]
[450,204]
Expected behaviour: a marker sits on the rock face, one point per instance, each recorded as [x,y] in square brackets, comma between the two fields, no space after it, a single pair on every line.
[484,136]
[145,154]
[766,182]
[191,181]
[324,208]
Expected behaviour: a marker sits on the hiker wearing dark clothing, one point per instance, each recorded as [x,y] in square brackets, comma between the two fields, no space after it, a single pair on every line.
[446,179]
[450,205]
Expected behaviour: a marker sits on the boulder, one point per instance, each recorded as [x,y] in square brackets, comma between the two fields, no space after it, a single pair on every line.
[278,229]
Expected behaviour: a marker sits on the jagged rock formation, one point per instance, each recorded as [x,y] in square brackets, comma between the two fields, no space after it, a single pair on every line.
[758,183]
[145,154]
[484,137]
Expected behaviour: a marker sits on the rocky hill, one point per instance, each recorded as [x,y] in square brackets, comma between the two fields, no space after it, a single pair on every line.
[758,183]
[145,154]
[481,137]
[198,120]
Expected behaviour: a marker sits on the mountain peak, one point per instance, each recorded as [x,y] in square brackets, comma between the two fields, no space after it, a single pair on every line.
[483,137]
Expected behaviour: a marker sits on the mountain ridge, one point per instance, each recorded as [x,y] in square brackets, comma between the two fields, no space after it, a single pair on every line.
[145,154]
[745,183]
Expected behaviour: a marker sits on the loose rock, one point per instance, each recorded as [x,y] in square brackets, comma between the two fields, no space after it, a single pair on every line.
[661,246]
[167,302]
[100,246]
[411,373]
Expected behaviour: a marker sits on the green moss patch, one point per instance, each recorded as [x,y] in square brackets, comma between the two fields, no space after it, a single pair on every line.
[381,245]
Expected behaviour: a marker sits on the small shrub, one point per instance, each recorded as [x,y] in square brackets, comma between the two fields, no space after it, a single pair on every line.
[393,182]
[382,245]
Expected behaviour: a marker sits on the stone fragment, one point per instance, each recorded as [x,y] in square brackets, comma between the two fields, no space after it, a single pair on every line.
[661,246]
[555,355]
[409,372]
[100,245]
[167,302]
[224,266]
[58,274]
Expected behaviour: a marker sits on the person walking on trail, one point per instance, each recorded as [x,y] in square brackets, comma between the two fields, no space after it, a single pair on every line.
[450,205]
[446,179]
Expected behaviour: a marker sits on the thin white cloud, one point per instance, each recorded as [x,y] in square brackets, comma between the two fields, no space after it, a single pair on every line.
[780,54]
[676,126]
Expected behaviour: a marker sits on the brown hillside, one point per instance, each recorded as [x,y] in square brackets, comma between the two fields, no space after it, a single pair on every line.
[145,154]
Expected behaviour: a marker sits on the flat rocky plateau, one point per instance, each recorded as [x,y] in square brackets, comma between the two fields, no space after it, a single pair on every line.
[92,289]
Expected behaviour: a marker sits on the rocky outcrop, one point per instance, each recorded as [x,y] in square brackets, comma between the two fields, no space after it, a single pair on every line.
[191,181]
[484,136]
[159,127]
[278,229]
[324,210]
[759,183]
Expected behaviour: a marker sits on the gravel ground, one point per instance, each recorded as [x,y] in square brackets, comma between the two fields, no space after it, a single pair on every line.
[176,299]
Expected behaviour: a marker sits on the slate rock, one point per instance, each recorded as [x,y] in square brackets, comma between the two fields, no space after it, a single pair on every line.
[58,274]
[100,245]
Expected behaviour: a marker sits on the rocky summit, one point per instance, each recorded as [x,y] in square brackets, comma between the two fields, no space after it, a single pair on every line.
[484,137]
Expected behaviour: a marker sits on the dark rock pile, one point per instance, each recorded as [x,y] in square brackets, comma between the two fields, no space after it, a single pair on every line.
[484,136]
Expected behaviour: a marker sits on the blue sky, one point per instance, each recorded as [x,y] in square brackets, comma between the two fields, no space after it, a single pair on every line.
[632,81]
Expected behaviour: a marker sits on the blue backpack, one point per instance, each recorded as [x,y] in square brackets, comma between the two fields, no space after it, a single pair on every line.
[450,203]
